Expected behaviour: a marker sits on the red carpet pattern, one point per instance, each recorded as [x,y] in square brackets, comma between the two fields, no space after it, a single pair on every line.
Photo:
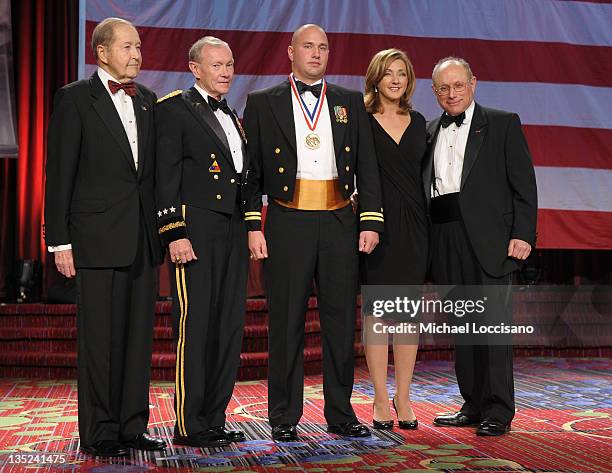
[563,424]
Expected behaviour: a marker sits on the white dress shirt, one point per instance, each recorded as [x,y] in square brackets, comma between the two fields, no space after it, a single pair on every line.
[125,108]
[231,133]
[449,153]
[314,164]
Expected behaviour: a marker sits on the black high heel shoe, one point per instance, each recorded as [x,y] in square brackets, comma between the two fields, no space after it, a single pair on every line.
[381,424]
[405,424]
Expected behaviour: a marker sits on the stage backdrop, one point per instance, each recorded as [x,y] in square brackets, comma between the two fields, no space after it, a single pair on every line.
[550,61]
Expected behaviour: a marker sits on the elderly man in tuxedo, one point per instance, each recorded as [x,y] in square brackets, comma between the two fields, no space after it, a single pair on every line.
[100,225]
[482,199]
[309,140]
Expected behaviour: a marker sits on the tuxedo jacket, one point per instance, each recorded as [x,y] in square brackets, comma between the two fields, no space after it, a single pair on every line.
[194,162]
[498,194]
[268,121]
[95,198]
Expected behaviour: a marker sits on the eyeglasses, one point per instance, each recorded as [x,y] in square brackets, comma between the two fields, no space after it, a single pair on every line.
[445,89]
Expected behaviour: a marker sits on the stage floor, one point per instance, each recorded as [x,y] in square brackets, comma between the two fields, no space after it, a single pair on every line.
[563,424]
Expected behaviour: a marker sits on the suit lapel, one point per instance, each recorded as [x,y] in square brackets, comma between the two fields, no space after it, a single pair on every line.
[428,165]
[142,112]
[338,128]
[104,107]
[478,131]
[207,119]
[282,108]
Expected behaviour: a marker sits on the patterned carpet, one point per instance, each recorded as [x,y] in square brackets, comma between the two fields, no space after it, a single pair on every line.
[563,424]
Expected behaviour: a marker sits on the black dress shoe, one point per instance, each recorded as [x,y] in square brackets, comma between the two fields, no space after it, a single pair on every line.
[458,419]
[145,442]
[349,429]
[105,448]
[206,439]
[232,435]
[381,424]
[492,428]
[405,424]
[284,433]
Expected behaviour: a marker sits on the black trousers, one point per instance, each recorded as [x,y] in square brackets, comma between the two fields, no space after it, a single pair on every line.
[484,372]
[209,306]
[302,246]
[115,315]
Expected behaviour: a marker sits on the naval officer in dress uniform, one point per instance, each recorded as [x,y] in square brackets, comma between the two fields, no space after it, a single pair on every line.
[201,158]
[309,141]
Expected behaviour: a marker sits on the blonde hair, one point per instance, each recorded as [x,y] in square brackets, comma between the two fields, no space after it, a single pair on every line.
[376,71]
[104,32]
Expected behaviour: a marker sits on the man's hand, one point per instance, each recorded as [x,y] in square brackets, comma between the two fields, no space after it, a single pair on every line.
[65,263]
[368,241]
[519,249]
[181,251]
[257,245]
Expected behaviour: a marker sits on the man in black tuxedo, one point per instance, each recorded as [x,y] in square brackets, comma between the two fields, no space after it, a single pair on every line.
[482,198]
[100,224]
[308,140]
[200,163]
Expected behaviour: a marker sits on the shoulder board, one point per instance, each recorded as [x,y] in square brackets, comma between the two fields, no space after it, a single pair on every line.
[171,94]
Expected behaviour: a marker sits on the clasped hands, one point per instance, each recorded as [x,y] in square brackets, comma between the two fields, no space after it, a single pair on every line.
[181,251]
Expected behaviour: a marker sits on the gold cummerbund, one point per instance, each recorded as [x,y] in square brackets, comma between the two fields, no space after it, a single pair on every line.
[316,195]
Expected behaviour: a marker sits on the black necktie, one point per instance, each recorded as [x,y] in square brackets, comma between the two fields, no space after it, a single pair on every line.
[448,119]
[219,104]
[315,89]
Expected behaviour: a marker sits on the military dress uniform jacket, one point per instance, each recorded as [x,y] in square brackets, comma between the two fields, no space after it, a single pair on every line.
[94,191]
[268,121]
[194,162]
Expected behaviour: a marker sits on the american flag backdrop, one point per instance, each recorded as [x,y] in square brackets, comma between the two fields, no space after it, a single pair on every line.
[548,60]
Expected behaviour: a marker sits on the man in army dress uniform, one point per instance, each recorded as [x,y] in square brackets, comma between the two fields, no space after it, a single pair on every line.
[307,139]
[201,149]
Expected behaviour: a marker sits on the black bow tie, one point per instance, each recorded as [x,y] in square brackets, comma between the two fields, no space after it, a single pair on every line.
[315,89]
[448,119]
[219,104]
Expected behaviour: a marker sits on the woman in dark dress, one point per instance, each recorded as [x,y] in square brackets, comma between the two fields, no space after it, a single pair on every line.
[401,256]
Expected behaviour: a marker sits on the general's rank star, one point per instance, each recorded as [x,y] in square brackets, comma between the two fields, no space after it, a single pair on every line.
[159,214]
[172,209]
[165,211]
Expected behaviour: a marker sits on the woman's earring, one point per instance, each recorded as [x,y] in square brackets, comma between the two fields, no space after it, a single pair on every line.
[375,89]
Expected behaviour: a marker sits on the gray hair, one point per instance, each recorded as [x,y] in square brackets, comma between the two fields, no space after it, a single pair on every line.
[196,48]
[454,60]
[104,32]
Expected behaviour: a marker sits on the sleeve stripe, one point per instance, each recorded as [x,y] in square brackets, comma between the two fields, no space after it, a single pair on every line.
[371,214]
[171,226]
[378,219]
[252,218]
[246,214]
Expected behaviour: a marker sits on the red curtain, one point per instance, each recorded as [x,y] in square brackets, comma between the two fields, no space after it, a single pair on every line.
[45,48]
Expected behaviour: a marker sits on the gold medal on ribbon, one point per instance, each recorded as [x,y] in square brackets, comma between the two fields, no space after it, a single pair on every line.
[313,141]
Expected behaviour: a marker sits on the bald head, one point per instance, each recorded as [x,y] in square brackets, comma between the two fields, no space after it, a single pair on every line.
[308,53]
[296,34]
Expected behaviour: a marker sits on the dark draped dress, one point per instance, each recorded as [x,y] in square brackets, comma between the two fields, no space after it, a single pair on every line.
[401,256]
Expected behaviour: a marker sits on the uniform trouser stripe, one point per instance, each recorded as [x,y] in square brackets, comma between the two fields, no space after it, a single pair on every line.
[181,289]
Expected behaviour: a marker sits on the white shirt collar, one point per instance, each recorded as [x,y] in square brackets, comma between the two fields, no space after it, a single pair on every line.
[203,93]
[105,77]
[320,81]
